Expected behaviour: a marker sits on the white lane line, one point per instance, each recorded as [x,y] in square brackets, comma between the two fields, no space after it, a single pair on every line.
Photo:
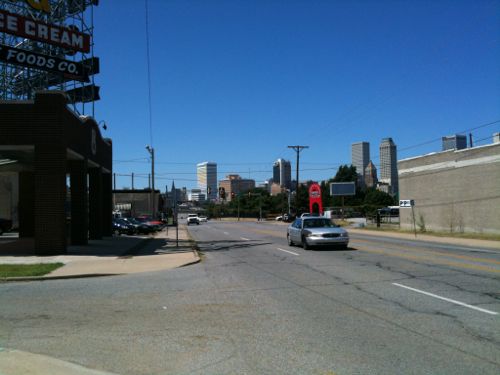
[447,299]
[245,239]
[227,234]
[287,251]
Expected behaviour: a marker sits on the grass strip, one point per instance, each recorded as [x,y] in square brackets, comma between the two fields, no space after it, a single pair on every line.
[27,270]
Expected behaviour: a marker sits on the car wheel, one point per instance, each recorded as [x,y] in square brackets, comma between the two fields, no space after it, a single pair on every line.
[290,242]
[305,244]
[1,231]
[344,247]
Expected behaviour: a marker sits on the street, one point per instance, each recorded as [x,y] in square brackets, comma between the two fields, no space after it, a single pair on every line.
[255,305]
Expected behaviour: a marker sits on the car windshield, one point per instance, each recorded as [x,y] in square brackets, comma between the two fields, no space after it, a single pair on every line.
[319,223]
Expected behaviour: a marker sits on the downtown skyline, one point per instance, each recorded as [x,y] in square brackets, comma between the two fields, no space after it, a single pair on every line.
[235,83]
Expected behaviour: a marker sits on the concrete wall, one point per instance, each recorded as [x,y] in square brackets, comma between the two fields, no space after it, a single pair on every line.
[454,191]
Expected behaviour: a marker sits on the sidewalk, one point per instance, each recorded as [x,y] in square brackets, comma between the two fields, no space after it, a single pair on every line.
[115,256]
[428,238]
[16,362]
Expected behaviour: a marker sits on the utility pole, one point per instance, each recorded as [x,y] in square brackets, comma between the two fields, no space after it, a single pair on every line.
[297,149]
[151,151]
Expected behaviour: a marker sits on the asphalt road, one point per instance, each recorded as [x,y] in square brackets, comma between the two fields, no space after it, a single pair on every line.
[257,306]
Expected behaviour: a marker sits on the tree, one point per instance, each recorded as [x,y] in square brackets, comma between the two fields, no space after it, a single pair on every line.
[376,197]
[346,173]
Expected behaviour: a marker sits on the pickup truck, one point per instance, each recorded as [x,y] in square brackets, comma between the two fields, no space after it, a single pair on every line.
[193,219]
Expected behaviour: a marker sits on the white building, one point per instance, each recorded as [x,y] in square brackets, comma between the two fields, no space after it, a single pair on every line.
[207,179]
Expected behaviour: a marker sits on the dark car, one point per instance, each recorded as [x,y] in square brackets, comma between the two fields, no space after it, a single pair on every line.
[5,225]
[120,226]
[316,231]
[140,227]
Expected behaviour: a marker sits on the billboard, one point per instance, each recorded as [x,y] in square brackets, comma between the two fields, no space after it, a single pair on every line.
[24,27]
[29,59]
[342,188]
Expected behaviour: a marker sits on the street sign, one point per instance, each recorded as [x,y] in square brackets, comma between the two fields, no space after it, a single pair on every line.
[406,203]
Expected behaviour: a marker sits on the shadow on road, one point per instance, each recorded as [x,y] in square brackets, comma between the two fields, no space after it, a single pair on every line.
[226,245]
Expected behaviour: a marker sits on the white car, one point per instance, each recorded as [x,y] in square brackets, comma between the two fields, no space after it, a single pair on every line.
[193,219]
[316,231]
[203,219]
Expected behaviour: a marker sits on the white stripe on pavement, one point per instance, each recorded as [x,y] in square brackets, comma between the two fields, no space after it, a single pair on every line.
[227,234]
[447,299]
[244,239]
[287,251]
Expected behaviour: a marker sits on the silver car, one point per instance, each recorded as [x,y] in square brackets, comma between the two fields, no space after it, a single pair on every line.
[316,231]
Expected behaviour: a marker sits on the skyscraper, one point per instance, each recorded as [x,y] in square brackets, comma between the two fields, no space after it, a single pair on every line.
[389,165]
[207,179]
[370,175]
[360,157]
[282,173]
[454,142]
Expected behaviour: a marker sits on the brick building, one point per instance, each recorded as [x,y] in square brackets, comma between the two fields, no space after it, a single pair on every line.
[235,184]
[46,142]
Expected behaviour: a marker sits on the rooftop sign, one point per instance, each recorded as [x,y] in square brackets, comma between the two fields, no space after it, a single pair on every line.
[71,69]
[17,25]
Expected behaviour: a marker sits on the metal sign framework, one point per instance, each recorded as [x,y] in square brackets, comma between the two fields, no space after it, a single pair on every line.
[40,48]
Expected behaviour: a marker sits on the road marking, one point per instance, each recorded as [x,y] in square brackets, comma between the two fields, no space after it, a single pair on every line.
[227,234]
[447,299]
[287,251]
[245,239]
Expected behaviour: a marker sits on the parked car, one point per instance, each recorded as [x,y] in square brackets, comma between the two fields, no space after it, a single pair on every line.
[193,219]
[316,231]
[203,219]
[140,227]
[154,224]
[5,225]
[120,226]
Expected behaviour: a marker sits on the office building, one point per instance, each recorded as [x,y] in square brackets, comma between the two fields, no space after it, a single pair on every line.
[389,165]
[197,195]
[207,179]
[360,157]
[370,175]
[233,183]
[454,142]
[282,173]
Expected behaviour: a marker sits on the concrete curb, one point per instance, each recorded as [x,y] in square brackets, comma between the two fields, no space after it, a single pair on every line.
[17,362]
[46,278]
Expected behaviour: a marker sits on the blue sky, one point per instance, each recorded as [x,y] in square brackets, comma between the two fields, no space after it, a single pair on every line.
[235,82]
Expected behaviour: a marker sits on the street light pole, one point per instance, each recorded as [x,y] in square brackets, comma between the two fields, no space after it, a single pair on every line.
[297,149]
[151,151]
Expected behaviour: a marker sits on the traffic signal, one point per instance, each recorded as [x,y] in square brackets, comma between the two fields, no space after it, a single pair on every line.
[222,193]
